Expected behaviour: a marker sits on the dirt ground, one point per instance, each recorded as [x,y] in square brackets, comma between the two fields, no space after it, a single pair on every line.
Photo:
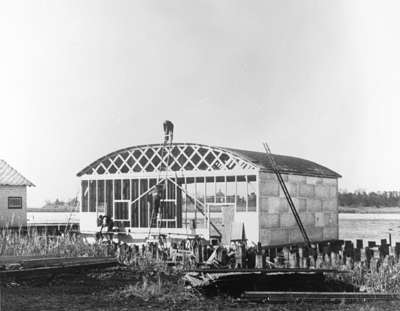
[115,290]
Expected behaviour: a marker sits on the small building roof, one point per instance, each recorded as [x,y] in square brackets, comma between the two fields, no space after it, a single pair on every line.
[9,176]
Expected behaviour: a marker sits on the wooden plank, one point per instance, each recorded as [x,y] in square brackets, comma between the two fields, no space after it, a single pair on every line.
[316,296]
[60,267]
[277,270]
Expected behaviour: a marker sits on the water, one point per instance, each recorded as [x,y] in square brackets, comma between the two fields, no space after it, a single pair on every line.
[369,227]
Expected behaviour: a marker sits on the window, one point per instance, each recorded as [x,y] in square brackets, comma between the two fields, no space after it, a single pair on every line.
[191,191]
[210,190]
[135,206]
[92,196]
[14,202]
[109,198]
[144,211]
[230,189]
[85,195]
[121,211]
[200,189]
[220,189]
[251,193]
[100,197]
[117,189]
[241,194]
[125,189]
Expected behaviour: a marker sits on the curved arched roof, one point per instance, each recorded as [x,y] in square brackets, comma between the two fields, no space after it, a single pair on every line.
[189,157]
[287,164]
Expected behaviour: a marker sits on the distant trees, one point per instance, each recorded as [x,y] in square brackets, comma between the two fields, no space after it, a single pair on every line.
[69,204]
[362,198]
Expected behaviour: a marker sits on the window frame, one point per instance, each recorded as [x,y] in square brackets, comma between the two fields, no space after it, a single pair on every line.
[15,198]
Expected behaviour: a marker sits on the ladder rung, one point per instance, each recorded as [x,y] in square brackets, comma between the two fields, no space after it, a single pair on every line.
[166,219]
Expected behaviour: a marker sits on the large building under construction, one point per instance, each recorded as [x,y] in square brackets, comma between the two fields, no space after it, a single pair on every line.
[209,191]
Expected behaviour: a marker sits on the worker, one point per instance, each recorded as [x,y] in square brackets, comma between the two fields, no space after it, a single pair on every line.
[168,132]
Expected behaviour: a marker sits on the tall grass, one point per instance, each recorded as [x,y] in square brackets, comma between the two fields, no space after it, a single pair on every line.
[32,243]
[386,279]
[157,282]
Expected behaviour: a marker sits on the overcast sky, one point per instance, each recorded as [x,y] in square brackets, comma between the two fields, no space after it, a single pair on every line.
[315,79]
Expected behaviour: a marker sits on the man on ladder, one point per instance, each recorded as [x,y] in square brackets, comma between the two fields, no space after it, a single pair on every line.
[159,192]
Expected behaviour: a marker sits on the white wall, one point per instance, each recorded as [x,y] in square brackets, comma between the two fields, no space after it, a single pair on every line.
[12,217]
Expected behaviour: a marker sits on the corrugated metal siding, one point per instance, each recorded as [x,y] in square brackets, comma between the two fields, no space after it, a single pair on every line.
[10,176]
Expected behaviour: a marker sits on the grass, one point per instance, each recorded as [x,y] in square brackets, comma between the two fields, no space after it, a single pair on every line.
[386,280]
[32,243]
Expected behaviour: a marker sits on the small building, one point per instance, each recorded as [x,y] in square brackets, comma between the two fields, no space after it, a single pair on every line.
[13,196]
[208,191]
[53,219]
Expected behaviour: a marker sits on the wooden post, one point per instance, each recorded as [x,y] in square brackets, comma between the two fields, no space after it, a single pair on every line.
[301,256]
[259,261]
[272,254]
[259,256]
[341,260]
[319,261]
[371,244]
[286,254]
[397,250]
[334,261]
[292,260]
[357,255]
[363,257]
[239,256]
[312,262]
[374,265]
[349,263]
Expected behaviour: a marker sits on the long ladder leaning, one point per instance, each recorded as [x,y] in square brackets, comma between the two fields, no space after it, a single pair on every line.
[163,167]
[275,168]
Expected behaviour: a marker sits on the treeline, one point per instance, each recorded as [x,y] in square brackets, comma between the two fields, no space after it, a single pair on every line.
[362,198]
[71,204]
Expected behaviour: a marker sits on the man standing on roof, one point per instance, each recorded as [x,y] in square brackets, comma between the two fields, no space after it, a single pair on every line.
[168,132]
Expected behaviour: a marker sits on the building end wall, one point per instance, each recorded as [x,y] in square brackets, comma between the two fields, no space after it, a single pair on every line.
[316,201]
[12,217]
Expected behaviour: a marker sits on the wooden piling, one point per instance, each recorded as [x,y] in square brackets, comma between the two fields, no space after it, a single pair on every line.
[301,257]
[371,244]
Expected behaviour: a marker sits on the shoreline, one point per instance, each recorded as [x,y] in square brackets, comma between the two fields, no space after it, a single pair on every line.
[368,210]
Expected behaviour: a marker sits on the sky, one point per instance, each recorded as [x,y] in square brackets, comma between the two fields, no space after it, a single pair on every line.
[315,79]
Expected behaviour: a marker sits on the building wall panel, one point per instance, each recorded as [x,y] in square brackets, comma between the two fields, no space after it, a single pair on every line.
[315,199]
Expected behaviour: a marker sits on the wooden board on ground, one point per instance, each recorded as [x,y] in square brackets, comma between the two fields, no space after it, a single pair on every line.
[285,297]
[21,267]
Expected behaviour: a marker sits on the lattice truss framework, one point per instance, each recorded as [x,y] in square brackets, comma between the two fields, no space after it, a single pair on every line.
[183,157]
